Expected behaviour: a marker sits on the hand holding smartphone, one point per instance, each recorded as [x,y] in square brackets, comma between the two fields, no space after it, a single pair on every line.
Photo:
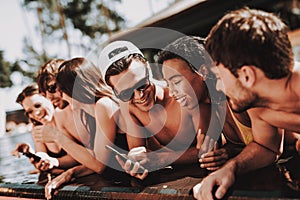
[125,158]
[31,155]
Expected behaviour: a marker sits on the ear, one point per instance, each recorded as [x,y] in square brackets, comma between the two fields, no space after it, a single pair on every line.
[203,71]
[247,76]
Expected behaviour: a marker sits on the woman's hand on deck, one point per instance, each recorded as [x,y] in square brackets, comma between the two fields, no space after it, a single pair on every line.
[52,185]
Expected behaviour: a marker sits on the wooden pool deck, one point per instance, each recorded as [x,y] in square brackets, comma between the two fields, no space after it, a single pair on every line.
[278,181]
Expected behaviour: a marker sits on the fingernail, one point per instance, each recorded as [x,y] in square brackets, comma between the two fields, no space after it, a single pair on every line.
[200,160]
[202,166]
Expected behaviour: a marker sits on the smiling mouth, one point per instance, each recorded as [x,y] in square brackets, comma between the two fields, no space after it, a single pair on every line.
[180,99]
[141,101]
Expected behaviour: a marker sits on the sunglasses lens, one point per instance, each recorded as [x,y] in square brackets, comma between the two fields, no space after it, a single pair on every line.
[126,95]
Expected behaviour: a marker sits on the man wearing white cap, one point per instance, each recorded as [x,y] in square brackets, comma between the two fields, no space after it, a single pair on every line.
[150,112]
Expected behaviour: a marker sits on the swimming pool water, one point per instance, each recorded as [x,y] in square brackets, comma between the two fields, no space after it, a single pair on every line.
[13,169]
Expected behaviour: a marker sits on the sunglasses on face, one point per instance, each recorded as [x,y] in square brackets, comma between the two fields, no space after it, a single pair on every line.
[128,94]
[51,88]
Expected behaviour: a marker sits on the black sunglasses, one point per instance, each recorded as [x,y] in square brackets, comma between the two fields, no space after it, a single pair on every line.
[128,94]
[51,88]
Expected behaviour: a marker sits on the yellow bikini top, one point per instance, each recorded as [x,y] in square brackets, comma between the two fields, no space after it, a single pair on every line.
[245,131]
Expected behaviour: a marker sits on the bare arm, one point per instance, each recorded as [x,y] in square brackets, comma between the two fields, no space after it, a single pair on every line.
[264,150]
[66,177]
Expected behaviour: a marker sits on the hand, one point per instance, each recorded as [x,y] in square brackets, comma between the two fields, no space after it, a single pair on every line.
[47,161]
[213,160]
[204,143]
[22,148]
[44,133]
[65,177]
[222,179]
[134,171]
[138,155]
[42,165]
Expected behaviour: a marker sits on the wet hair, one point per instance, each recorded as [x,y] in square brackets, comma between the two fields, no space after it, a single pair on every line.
[81,80]
[121,65]
[252,37]
[27,92]
[47,72]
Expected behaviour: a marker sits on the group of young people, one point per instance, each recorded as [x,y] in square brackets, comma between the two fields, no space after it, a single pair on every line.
[78,109]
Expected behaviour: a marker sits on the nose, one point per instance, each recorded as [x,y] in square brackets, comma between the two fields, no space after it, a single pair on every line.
[172,90]
[35,113]
[139,93]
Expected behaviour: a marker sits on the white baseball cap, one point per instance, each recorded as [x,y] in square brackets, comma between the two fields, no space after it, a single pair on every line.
[115,51]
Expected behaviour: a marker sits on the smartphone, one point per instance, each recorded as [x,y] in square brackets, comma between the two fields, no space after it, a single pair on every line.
[35,122]
[125,157]
[31,155]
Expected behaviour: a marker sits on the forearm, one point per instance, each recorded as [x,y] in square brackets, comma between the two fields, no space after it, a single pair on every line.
[178,157]
[253,156]
[80,153]
[67,161]
[79,171]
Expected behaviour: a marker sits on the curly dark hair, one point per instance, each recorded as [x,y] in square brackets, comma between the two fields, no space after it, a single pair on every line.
[252,37]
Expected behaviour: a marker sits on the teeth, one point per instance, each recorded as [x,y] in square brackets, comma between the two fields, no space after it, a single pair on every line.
[180,99]
[143,101]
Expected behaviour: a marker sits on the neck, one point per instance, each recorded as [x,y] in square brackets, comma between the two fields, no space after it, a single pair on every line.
[278,94]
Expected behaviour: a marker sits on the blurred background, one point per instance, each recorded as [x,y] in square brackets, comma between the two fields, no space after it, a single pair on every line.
[34,31]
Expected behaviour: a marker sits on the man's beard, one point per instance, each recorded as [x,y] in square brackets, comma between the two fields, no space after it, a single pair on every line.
[245,101]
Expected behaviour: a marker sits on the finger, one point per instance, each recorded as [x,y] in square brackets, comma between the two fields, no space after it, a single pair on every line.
[120,161]
[212,168]
[37,164]
[212,153]
[200,139]
[46,167]
[138,157]
[221,191]
[32,161]
[213,164]
[127,166]
[135,169]
[196,190]
[211,144]
[48,190]
[144,175]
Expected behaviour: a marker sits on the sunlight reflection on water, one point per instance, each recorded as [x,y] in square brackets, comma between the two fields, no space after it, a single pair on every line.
[13,169]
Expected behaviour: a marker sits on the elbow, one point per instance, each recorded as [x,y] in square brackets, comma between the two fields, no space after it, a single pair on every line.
[99,169]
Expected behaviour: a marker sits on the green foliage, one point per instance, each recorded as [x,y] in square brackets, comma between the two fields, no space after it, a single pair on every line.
[92,17]
[59,19]
[5,72]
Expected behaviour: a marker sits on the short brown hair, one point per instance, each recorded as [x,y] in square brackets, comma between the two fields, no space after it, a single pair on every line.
[27,92]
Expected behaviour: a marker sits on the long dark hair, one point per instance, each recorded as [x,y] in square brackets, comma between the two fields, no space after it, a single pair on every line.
[82,80]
